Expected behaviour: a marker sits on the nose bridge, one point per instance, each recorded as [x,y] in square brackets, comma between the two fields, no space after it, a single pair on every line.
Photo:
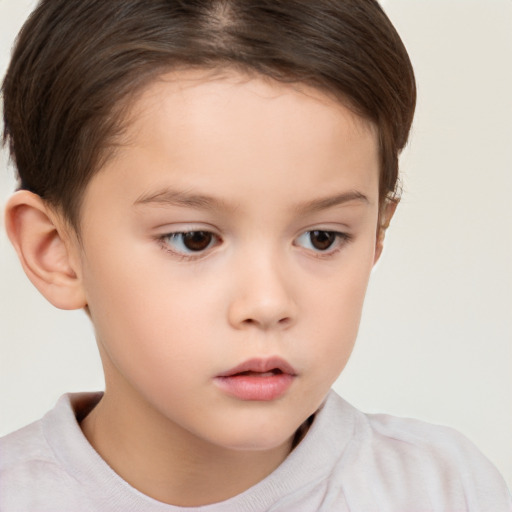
[263,294]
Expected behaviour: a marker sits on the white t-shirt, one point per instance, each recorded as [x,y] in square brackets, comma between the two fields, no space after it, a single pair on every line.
[348,461]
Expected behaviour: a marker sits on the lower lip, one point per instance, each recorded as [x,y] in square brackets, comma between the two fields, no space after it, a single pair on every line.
[253,387]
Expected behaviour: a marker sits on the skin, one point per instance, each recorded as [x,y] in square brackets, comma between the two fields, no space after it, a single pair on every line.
[259,165]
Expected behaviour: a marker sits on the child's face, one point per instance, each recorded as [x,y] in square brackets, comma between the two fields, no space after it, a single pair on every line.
[261,177]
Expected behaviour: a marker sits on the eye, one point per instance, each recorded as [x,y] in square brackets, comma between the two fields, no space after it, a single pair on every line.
[320,240]
[189,242]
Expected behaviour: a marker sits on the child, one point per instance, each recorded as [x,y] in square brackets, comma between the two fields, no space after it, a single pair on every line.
[211,181]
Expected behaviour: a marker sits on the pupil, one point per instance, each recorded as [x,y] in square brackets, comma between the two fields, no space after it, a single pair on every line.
[322,240]
[197,240]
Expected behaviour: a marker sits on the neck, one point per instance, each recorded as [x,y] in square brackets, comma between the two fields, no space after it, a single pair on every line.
[169,463]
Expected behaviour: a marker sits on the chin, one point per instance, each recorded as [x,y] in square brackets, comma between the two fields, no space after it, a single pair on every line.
[257,438]
[259,445]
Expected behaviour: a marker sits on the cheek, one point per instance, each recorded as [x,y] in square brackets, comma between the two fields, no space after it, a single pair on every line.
[336,313]
[145,318]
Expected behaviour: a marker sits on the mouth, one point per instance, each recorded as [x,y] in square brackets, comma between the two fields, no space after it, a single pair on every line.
[257,379]
[274,371]
[261,367]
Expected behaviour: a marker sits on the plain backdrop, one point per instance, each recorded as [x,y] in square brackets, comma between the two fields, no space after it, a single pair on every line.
[436,336]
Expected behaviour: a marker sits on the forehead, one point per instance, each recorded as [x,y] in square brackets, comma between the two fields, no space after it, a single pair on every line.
[190,95]
[242,136]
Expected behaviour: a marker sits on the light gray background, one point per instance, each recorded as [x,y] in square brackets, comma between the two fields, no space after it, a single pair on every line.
[436,337]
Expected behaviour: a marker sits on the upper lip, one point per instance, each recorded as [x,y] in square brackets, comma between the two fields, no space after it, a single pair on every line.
[260,365]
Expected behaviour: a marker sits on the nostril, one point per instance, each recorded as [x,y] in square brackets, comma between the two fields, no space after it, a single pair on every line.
[282,322]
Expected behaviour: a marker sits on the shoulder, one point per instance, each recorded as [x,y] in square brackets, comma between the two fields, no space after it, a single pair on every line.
[436,446]
[26,451]
[32,473]
[29,470]
[413,462]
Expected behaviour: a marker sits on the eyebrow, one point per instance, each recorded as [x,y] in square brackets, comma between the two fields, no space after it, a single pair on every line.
[317,205]
[173,197]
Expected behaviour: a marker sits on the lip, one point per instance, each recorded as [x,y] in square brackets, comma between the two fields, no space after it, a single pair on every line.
[261,365]
[257,379]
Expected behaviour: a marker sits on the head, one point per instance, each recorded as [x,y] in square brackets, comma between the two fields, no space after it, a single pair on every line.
[211,180]
[72,75]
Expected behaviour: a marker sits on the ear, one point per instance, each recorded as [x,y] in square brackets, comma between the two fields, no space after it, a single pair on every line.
[388,210]
[46,249]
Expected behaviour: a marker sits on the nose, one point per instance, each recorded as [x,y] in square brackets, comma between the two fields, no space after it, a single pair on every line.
[263,295]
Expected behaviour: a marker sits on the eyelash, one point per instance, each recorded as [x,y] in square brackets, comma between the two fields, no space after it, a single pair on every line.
[194,255]
[339,241]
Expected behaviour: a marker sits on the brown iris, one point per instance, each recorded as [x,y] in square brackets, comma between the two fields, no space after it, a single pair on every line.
[322,240]
[197,240]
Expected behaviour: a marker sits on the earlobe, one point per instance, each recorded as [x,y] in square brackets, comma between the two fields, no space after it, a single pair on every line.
[44,249]
[385,217]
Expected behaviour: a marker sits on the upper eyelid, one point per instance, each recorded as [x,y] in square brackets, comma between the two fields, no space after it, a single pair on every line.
[184,227]
[169,234]
[195,229]
[193,255]
[340,235]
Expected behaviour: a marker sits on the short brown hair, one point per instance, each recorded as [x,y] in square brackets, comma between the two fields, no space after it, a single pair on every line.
[76,61]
